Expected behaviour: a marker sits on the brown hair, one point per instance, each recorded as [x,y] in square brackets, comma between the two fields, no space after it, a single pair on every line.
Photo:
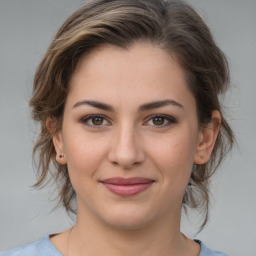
[171,25]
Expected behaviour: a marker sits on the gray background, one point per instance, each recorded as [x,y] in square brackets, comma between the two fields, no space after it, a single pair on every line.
[26,29]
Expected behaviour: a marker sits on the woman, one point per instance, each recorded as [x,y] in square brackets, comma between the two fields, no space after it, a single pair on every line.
[131,127]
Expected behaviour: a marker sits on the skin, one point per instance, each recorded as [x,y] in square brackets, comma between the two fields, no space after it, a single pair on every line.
[128,141]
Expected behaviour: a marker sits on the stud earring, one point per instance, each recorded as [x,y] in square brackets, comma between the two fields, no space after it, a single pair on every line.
[61,156]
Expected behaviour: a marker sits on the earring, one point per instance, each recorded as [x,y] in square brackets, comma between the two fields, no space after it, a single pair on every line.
[61,155]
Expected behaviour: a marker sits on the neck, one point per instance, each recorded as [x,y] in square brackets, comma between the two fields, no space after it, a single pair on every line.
[93,237]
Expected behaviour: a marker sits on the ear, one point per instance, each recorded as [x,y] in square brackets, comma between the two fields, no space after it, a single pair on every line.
[206,139]
[57,139]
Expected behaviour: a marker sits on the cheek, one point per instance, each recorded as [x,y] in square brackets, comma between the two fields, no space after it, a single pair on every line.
[83,160]
[84,153]
[174,157]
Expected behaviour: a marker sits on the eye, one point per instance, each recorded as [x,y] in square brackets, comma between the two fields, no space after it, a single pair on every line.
[160,120]
[95,121]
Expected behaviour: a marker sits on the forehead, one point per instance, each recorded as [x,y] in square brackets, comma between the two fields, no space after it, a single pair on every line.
[142,72]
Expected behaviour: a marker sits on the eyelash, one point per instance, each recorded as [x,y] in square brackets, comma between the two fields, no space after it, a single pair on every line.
[85,120]
[168,120]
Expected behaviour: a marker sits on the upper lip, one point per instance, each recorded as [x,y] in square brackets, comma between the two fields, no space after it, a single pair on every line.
[127,181]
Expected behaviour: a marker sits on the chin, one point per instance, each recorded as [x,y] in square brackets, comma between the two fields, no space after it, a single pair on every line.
[127,219]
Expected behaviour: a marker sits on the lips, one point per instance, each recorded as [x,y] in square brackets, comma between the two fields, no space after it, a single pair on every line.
[127,186]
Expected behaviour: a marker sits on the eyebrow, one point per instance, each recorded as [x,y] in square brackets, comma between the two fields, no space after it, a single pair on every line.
[144,107]
[159,104]
[94,104]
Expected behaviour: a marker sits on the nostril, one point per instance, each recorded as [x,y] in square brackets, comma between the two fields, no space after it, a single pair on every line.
[126,152]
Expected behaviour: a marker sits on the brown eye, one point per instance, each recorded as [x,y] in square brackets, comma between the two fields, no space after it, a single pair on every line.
[158,120]
[97,120]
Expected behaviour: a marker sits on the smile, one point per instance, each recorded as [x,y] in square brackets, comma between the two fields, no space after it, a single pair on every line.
[127,187]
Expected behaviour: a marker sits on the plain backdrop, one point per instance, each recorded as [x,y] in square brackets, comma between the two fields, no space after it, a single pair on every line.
[26,29]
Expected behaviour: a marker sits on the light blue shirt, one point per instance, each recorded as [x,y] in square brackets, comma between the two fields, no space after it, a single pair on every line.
[44,247]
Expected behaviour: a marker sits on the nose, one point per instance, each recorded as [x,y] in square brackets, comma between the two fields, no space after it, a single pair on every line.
[126,149]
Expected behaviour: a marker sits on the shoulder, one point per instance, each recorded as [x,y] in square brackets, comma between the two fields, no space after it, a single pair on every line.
[41,247]
[205,251]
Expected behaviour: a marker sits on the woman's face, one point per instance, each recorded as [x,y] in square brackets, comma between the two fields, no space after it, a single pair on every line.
[129,115]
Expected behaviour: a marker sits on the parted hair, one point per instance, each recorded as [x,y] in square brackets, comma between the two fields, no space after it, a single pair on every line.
[173,26]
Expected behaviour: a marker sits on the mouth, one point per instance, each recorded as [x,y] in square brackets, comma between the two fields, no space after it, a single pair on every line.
[127,186]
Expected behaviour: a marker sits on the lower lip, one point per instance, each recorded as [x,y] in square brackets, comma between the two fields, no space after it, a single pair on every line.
[127,190]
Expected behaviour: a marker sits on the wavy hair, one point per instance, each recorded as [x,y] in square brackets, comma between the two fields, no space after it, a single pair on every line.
[171,25]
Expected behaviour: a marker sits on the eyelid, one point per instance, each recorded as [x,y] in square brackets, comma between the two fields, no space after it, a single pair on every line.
[171,120]
[84,120]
